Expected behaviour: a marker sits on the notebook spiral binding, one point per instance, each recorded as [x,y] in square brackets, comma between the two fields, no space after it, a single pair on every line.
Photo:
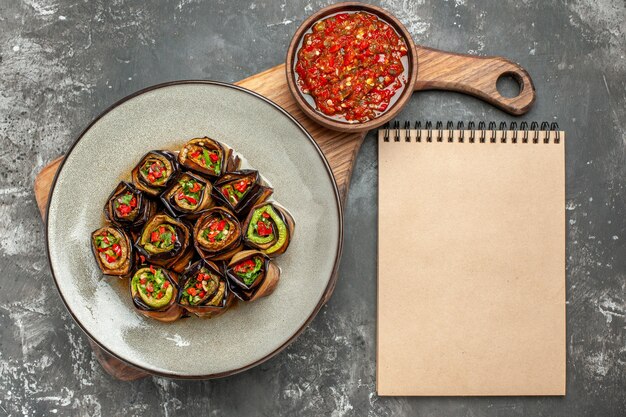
[486,132]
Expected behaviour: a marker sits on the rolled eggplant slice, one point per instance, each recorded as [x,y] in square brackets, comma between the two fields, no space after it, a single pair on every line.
[128,207]
[206,156]
[166,242]
[113,251]
[188,197]
[155,172]
[154,291]
[217,234]
[241,190]
[269,228]
[204,290]
[252,274]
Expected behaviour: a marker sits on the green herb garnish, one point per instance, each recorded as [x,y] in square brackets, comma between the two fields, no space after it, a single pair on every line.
[102,244]
[166,240]
[207,157]
[126,198]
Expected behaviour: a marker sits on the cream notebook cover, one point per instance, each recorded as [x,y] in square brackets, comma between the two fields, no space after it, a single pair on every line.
[471,262]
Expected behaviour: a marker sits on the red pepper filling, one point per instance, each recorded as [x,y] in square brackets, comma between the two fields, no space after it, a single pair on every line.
[242,185]
[154,284]
[351,65]
[189,191]
[217,230]
[245,266]
[209,159]
[234,191]
[125,204]
[264,225]
[154,170]
[107,244]
[163,237]
[197,288]
[249,270]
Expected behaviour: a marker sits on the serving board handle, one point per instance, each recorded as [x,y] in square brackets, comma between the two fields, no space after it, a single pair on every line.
[473,75]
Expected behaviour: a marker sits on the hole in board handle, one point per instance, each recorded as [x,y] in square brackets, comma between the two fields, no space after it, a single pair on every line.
[509,85]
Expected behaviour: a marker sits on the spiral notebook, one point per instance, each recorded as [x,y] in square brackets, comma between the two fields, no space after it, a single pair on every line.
[471,260]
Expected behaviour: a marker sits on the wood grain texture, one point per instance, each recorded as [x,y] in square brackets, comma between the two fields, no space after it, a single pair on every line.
[473,75]
[43,184]
[339,148]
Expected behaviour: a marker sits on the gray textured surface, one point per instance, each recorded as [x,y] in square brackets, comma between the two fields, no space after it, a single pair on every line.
[64,61]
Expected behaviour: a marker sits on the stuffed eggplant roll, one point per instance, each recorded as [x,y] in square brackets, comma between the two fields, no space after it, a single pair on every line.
[154,292]
[241,190]
[204,290]
[205,156]
[188,197]
[165,241]
[217,234]
[128,207]
[251,275]
[155,172]
[113,251]
[269,228]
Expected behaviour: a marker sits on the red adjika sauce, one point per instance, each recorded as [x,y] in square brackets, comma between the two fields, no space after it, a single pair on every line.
[351,64]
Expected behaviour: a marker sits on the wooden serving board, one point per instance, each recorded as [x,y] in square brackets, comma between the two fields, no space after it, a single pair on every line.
[339,148]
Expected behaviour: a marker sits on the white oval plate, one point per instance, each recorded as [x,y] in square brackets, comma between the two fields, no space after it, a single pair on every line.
[164,117]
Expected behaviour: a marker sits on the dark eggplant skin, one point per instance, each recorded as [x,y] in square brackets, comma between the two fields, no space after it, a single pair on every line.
[124,270]
[234,163]
[176,259]
[169,158]
[257,192]
[232,245]
[171,312]
[145,207]
[269,248]
[204,310]
[263,286]
[176,210]
[226,160]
